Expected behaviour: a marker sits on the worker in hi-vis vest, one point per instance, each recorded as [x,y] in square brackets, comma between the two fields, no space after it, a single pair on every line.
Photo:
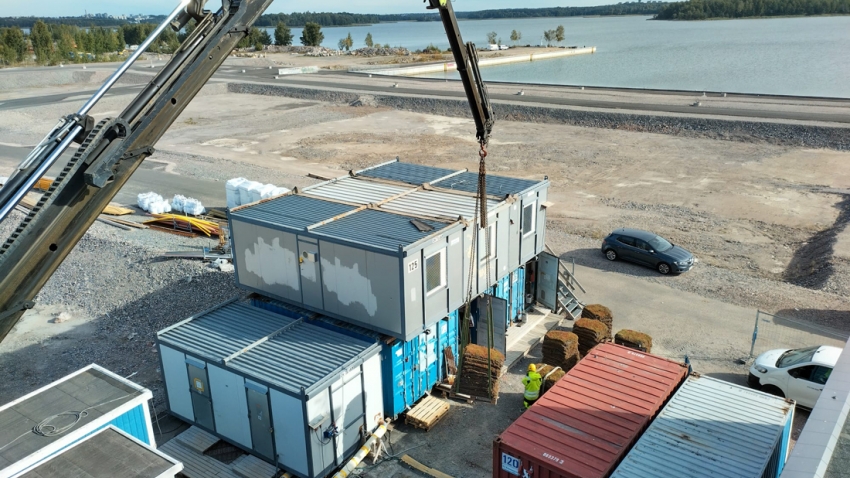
[532,383]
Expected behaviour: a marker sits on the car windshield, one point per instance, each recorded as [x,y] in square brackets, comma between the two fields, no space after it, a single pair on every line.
[660,244]
[796,356]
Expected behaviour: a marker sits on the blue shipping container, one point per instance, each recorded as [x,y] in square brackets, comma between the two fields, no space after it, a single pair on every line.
[413,367]
[512,289]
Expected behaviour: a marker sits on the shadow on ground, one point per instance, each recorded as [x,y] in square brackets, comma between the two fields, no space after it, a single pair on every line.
[811,266]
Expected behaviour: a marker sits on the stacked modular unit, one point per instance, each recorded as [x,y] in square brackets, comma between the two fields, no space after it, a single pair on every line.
[106,398]
[409,369]
[584,425]
[291,393]
[384,248]
[714,428]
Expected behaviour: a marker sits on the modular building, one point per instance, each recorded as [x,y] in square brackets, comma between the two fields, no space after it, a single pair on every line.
[387,248]
[108,452]
[94,397]
[584,425]
[293,394]
[714,428]
[409,369]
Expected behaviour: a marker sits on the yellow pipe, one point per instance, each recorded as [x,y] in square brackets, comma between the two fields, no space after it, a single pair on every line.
[363,451]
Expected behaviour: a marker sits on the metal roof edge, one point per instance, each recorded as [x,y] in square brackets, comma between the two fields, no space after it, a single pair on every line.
[396,160]
[196,316]
[419,244]
[372,350]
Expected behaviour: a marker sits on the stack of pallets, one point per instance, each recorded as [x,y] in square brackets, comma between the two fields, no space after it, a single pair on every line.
[560,349]
[427,413]
[475,380]
[602,314]
[590,334]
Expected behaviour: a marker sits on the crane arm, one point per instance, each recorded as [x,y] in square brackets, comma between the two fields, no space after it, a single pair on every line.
[111,150]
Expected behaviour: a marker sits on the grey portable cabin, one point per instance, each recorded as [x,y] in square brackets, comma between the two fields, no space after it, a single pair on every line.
[291,393]
[388,247]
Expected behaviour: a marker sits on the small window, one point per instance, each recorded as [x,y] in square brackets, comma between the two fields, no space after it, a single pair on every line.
[435,272]
[529,219]
[821,375]
[629,241]
[642,245]
[482,243]
[803,373]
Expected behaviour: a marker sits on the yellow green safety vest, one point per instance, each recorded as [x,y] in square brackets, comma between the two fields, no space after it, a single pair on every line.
[532,383]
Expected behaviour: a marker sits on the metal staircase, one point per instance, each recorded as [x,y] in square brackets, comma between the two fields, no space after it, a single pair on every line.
[568,287]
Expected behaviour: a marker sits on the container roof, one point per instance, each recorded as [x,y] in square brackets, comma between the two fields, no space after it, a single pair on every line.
[293,211]
[357,191]
[592,415]
[437,204]
[92,389]
[496,185]
[406,173]
[106,453]
[269,347]
[709,428]
[379,229]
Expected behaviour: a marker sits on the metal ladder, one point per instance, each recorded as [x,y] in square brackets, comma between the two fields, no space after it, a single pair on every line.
[568,287]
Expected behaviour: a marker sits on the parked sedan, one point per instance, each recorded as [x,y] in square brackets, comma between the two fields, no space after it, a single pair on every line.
[646,248]
[799,374]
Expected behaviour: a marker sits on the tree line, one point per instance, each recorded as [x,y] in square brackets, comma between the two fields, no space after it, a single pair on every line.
[704,9]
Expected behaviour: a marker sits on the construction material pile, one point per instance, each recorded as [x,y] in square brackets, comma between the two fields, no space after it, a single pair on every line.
[590,334]
[241,191]
[560,349]
[185,225]
[153,203]
[634,340]
[474,378]
[187,205]
[551,374]
[602,314]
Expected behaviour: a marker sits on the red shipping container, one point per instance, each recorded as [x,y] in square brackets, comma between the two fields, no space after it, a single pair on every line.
[584,425]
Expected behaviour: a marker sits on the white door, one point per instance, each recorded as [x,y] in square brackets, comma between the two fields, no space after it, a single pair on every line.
[802,387]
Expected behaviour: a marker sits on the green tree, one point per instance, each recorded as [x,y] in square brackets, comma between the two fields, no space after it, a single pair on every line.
[559,34]
[346,43]
[282,34]
[549,36]
[15,45]
[491,38]
[42,42]
[516,36]
[259,46]
[264,38]
[312,34]
[369,42]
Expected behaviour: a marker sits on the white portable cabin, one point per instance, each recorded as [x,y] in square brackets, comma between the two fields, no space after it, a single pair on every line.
[388,247]
[291,393]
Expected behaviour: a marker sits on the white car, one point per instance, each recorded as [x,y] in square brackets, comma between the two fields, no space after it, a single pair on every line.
[798,374]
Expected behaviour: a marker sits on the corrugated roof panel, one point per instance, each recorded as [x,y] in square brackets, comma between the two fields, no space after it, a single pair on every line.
[408,173]
[496,185]
[709,428]
[584,425]
[357,191]
[379,229]
[436,204]
[224,331]
[292,211]
[289,359]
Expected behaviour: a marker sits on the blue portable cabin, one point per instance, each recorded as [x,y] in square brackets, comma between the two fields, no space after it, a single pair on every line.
[106,398]
[405,380]
[512,289]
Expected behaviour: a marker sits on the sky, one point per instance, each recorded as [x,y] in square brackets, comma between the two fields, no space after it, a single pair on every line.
[63,8]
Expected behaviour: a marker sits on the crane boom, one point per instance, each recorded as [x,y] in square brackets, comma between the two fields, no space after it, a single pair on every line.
[111,150]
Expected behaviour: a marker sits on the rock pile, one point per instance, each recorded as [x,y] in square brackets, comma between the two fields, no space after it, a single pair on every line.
[381,51]
[560,349]
[590,334]
[602,314]
[474,378]
[634,340]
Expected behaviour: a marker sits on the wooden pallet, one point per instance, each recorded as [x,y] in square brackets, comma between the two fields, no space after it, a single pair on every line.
[448,392]
[427,413]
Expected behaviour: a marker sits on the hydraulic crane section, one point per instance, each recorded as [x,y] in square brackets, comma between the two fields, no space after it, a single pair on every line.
[111,150]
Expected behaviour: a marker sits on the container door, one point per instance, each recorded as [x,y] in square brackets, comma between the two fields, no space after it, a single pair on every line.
[547,280]
[499,308]
[428,363]
[261,422]
[409,373]
[200,387]
[311,274]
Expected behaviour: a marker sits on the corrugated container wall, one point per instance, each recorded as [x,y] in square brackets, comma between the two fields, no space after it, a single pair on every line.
[584,425]
[409,369]
[386,248]
[286,391]
[713,428]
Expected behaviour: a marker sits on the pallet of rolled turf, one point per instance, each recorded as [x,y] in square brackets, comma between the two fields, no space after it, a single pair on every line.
[634,340]
[590,334]
[560,349]
[479,375]
[602,314]
[551,374]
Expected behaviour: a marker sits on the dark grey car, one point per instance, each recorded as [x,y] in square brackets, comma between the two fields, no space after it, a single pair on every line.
[647,248]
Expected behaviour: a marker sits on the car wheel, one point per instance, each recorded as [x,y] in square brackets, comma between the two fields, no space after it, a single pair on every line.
[773,390]
[663,268]
[611,255]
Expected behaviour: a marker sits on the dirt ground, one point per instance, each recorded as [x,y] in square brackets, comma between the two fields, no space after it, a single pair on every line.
[767,224]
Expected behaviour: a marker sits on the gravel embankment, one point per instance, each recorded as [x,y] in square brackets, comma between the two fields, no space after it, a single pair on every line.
[745,131]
